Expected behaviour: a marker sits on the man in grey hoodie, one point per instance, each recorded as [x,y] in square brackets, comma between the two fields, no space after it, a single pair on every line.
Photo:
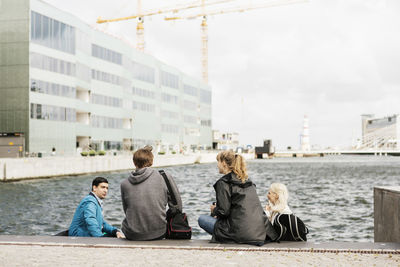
[145,197]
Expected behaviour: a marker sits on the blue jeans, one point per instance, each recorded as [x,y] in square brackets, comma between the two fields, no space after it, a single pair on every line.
[206,222]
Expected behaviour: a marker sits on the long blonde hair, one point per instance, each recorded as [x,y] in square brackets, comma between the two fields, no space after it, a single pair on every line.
[283,196]
[235,163]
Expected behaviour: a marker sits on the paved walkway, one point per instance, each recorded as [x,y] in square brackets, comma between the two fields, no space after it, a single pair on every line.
[79,251]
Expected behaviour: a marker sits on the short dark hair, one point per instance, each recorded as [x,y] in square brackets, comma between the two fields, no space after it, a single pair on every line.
[143,157]
[98,180]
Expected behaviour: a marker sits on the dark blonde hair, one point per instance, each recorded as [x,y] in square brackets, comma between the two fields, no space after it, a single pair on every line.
[143,157]
[235,163]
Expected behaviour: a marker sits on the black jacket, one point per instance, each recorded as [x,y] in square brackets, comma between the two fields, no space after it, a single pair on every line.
[239,212]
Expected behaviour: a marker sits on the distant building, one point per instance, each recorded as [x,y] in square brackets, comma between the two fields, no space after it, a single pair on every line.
[225,141]
[380,132]
[305,136]
[68,86]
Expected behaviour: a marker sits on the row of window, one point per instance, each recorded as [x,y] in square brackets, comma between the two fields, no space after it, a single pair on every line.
[52,33]
[169,114]
[106,77]
[206,123]
[143,106]
[143,92]
[52,64]
[189,90]
[52,88]
[143,72]
[53,113]
[170,128]
[105,100]
[106,54]
[169,79]
[105,122]
[173,99]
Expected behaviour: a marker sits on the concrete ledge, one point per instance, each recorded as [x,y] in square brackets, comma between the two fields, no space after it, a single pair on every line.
[387,214]
[87,242]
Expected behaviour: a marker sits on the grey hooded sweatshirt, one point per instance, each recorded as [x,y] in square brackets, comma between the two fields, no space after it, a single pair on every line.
[144,199]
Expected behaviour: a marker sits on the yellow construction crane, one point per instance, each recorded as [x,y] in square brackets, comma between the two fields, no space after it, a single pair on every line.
[141,14]
[204,27]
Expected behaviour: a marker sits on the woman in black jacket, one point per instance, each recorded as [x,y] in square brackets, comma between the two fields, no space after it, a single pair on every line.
[238,214]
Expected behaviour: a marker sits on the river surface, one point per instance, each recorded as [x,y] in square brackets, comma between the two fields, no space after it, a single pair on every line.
[332,195]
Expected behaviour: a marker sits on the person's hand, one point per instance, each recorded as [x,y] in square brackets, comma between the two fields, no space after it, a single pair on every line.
[212,207]
[120,235]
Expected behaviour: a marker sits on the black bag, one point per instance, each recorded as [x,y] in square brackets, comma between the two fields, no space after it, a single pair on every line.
[177,222]
[290,228]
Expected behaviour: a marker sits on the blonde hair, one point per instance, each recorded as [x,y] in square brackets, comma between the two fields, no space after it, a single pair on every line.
[235,163]
[283,196]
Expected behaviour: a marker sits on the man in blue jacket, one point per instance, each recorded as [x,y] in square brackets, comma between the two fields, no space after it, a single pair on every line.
[88,218]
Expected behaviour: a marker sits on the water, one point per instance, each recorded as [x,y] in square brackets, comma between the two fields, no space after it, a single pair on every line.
[332,195]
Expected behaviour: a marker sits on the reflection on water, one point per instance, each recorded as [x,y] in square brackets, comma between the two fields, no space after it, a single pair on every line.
[332,195]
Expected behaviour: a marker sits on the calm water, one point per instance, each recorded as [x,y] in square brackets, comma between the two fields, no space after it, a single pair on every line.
[333,195]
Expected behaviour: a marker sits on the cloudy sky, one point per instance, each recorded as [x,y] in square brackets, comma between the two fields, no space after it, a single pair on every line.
[332,60]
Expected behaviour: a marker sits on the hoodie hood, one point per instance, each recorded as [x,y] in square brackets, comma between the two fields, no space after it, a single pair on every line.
[140,175]
[232,178]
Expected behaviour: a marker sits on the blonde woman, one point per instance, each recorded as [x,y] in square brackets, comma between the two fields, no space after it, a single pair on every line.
[278,196]
[237,215]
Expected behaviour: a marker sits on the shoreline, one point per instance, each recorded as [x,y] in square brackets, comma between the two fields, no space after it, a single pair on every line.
[12,170]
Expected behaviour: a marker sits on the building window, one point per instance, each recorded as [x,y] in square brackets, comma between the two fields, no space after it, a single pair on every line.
[169,114]
[52,33]
[167,98]
[189,90]
[106,54]
[205,96]
[169,79]
[105,122]
[143,106]
[143,72]
[105,100]
[190,119]
[143,92]
[170,128]
[106,77]
[52,88]
[53,113]
[52,64]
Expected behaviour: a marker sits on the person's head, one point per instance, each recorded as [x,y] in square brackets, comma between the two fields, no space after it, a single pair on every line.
[278,195]
[228,162]
[100,187]
[143,157]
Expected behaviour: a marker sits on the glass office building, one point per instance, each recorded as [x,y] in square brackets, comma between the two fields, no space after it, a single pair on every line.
[67,86]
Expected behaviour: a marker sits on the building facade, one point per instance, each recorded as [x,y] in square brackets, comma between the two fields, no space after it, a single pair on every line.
[225,141]
[380,132]
[67,86]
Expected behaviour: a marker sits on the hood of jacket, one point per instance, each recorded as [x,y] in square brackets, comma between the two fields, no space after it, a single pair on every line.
[232,178]
[140,175]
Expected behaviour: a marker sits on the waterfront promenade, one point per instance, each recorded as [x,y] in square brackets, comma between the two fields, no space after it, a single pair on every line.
[81,251]
[29,168]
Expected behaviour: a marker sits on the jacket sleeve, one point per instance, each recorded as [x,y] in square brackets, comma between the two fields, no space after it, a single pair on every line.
[89,213]
[223,195]
[176,193]
[109,229]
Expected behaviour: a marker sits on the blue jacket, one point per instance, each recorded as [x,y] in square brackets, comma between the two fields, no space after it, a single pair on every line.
[88,219]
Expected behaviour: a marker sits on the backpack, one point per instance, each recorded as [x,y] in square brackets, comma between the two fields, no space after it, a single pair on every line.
[290,228]
[177,222]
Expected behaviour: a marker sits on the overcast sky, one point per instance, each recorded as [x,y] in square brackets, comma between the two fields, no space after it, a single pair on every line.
[332,60]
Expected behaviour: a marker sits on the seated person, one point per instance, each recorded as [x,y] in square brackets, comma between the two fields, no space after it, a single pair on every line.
[145,197]
[238,214]
[278,196]
[88,218]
